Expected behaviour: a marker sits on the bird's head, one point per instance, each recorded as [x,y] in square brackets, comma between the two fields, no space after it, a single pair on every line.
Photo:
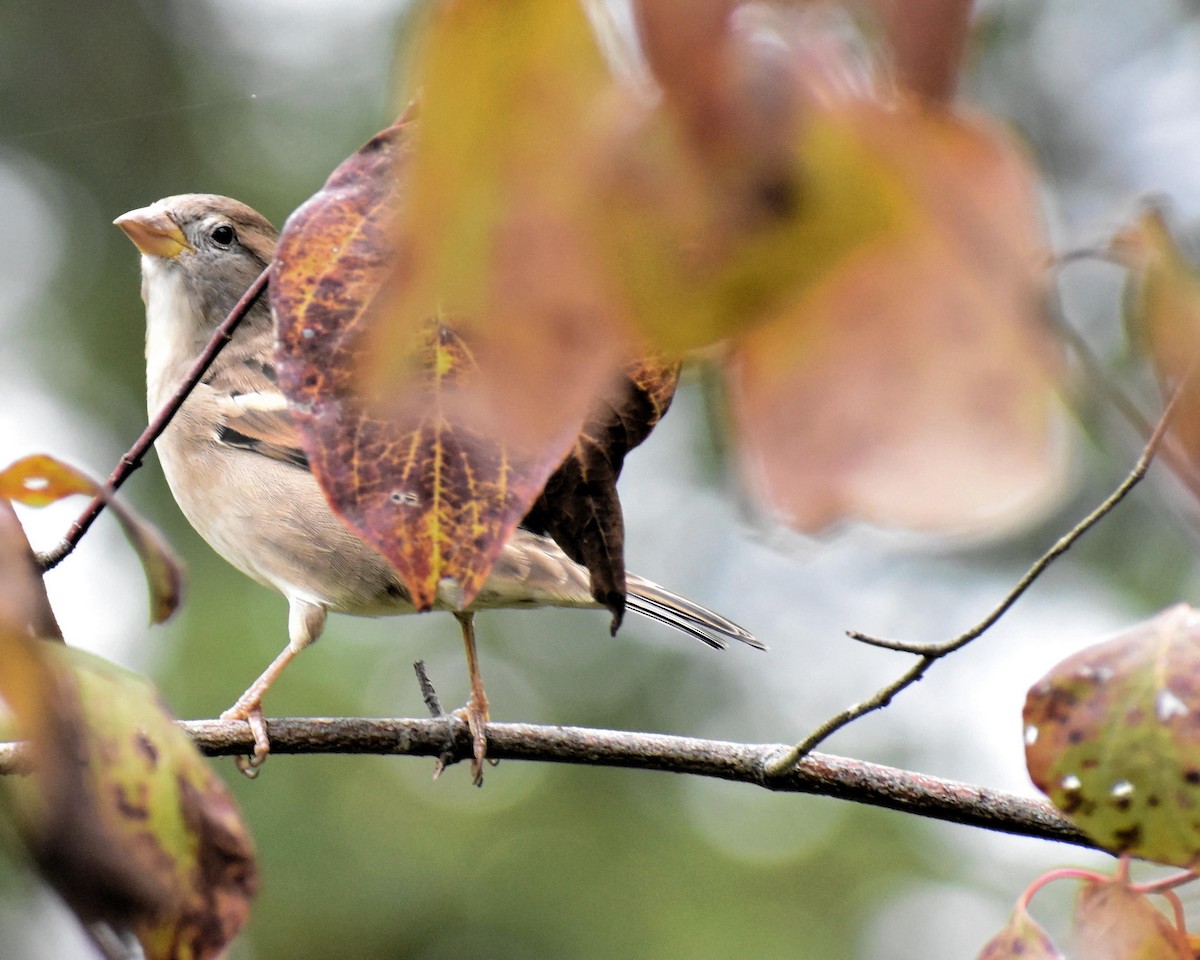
[215,246]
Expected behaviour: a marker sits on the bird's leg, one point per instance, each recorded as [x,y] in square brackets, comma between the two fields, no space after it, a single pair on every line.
[305,623]
[477,706]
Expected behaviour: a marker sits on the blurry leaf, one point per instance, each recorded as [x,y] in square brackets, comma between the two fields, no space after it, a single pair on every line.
[490,230]
[24,606]
[1113,922]
[96,878]
[423,484]
[416,469]
[913,383]
[926,39]
[1164,317]
[1112,738]
[579,506]
[1021,939]
[743,188]
[39,480]
[123,816]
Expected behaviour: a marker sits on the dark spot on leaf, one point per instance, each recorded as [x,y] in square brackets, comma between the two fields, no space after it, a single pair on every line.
[145,746]
[228,874]
[1089,763]
[128,807]
[1192,777]
[1127,838]
[1075,736]
[1152,800]
[779,195]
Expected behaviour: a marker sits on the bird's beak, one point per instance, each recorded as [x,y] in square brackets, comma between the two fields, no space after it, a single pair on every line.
[154,232]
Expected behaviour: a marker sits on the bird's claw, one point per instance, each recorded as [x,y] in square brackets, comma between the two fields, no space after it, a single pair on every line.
[476,715]
[253,715]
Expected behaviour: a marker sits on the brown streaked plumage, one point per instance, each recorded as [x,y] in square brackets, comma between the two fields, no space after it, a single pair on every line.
[235,465]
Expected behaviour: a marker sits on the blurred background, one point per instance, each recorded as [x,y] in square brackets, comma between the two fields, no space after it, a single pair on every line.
[106,107]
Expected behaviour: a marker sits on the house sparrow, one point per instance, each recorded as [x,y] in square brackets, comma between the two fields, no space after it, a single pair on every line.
[233,460]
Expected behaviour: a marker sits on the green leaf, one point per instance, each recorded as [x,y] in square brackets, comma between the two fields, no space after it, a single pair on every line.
[1112,736]
[123,815]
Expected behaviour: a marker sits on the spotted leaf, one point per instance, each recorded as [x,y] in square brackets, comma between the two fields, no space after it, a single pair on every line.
[1113,738]
[122,815]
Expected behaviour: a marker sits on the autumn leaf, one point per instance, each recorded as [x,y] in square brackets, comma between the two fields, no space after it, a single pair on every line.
[411,471]
[579,506]
[39,480]
[1112,739]
[123,816]
[24,604]
[741,189]
[1021,939]
[490,226]
[912,384]
[1113,922]
[926,39]
[1163,317]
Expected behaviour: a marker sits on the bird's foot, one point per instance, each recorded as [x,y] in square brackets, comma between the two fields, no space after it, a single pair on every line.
[253,715]
[476,715]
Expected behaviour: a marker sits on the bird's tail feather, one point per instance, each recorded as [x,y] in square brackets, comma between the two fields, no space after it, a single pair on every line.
[659,603]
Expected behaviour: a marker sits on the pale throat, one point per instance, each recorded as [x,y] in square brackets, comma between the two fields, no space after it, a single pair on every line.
[171,328]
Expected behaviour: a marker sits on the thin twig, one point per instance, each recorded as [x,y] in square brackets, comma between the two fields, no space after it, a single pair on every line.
[1064,543]
[133,458]
[428,693]
[821,774]
[930,653]
[434,706]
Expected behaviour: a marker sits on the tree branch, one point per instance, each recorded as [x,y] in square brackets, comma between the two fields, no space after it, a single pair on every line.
[133,458]
[819,774]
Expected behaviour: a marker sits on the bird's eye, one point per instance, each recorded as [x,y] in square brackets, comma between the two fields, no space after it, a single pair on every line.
[223,234]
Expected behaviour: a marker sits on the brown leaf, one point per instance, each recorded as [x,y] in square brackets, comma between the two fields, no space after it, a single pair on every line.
[1113,922]
[39,480]
[24,606]
[912,384]
[411,471]
[579,506]
[1112,738]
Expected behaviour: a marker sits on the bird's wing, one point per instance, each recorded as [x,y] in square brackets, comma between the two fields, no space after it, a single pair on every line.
[259,422]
